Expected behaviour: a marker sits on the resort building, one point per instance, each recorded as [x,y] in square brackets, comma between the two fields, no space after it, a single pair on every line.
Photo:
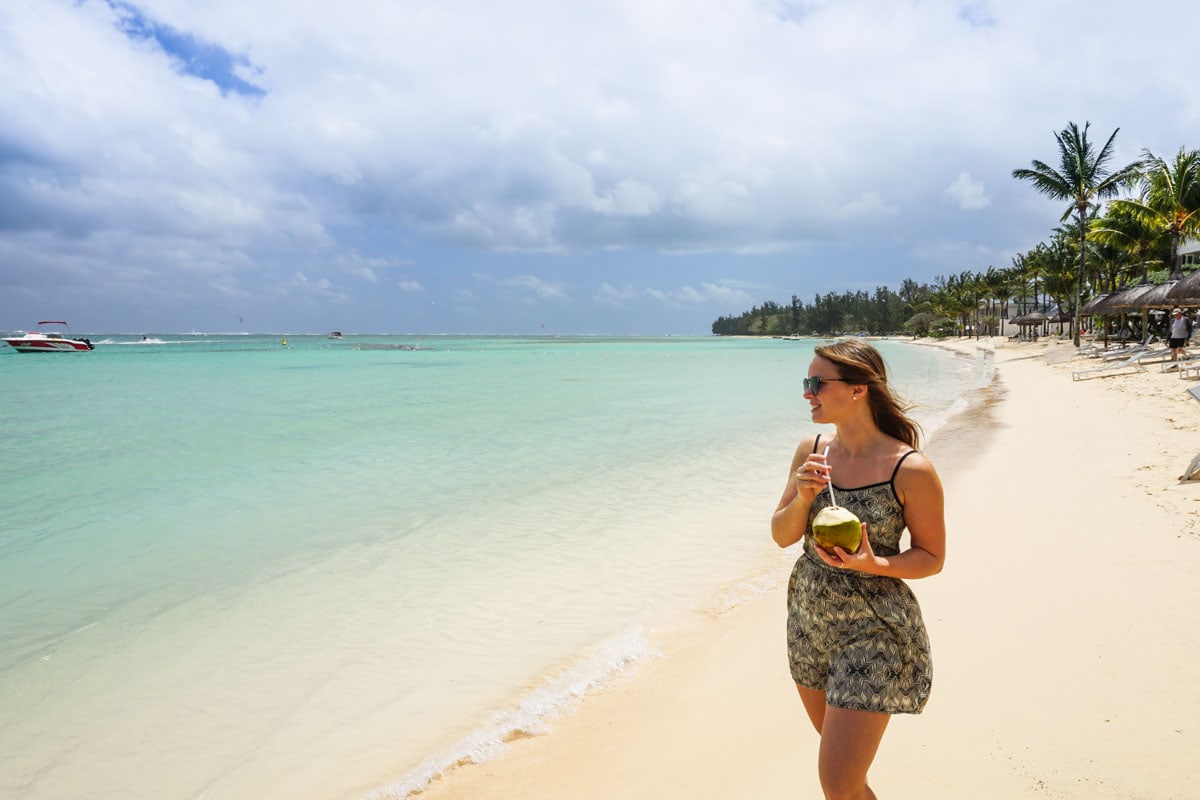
[1189,254]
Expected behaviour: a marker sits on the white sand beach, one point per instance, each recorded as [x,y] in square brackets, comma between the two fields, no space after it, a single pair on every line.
[1064,630]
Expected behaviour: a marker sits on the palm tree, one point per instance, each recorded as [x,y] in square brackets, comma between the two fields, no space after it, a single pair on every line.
[1112,266]
[1031,276]
[1056,260]
[1170,198]
[950,300]
[1066,236]
[968,298]
[1083,179]
[1130,233]
[996,284]
[1017,282]
[1012,285]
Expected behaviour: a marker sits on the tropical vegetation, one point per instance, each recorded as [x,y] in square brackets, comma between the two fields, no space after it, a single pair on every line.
[1097,247]
[1083,178]
[1168,199]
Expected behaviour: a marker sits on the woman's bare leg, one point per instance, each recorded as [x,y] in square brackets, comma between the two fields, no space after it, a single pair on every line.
[849,741]
[814,704]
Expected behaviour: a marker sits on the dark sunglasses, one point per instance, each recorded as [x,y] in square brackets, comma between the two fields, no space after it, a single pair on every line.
[813,384]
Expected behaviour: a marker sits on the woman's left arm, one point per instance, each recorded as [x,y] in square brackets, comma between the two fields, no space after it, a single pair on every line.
[920,492]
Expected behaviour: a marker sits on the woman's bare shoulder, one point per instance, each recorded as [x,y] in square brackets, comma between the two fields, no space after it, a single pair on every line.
[806,446]
[917,473]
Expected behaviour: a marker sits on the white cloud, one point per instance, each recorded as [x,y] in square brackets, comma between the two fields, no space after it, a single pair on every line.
[726,292]
[948,255]
[528,286]
[227,285]
[411,286]
[319,285]
[466,130]
[866,206]
[967,193]
[305,287]
[707,293]
[366,267]
[614,296]
[631,198]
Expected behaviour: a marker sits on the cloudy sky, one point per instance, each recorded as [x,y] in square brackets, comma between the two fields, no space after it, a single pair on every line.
[530,166]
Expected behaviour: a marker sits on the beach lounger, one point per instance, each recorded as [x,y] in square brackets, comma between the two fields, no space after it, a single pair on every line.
[1183,366]
[1115,351]
[1156,356]
[1113,367]
[1120,353]
[1189,367]
[1114,347]
[1192,471]
[1089,350]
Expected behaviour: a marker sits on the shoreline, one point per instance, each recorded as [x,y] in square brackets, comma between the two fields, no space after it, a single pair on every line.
[1057,667]
[732,605]
[527,712]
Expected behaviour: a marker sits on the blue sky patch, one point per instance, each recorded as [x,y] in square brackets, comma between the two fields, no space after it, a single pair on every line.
[190,55]
[977,14]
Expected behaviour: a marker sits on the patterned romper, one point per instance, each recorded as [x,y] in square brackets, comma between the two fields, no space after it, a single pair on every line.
[859,638]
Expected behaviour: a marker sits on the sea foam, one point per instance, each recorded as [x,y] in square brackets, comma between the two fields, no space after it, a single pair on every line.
[559,695]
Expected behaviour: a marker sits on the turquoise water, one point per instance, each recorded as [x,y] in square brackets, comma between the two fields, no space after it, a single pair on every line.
[232,568]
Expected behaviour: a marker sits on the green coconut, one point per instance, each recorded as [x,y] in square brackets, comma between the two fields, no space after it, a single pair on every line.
[835,526]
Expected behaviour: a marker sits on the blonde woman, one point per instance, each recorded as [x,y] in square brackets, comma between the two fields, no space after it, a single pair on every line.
[856,640]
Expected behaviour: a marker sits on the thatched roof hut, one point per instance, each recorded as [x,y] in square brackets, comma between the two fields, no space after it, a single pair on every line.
[1032,318]
[1090,307]
[1127,299]
[1158,296]
[1186,291]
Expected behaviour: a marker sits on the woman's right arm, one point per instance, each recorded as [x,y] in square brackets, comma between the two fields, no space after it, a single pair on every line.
[806,478]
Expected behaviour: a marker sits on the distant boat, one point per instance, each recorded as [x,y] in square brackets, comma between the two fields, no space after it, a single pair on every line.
[336,335]
[49,342]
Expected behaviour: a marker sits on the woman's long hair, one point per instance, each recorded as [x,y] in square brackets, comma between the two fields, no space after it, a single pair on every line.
[858,362]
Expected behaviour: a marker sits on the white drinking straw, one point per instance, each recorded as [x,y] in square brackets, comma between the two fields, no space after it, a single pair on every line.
[829,474]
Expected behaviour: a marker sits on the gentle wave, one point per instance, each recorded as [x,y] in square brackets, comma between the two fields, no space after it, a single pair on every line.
[612,661]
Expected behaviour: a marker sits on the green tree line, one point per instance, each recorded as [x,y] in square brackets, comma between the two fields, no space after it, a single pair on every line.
[1096,248]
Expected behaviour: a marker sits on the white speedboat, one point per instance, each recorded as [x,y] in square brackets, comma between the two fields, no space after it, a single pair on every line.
[40,341]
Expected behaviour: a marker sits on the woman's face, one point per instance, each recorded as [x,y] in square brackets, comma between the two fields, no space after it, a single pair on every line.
[832,394]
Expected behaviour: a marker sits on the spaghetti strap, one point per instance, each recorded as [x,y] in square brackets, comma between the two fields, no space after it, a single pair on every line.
[816,442]
[896,471]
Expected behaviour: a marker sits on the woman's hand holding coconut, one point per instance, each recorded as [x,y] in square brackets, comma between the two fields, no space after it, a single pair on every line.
[838,557]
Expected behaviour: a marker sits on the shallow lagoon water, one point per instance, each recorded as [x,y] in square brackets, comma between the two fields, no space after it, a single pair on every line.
[234,568]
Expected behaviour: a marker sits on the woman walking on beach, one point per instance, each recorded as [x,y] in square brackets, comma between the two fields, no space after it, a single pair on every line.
[856,641]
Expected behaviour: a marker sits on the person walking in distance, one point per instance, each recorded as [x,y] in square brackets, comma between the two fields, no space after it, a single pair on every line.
[1179,334]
